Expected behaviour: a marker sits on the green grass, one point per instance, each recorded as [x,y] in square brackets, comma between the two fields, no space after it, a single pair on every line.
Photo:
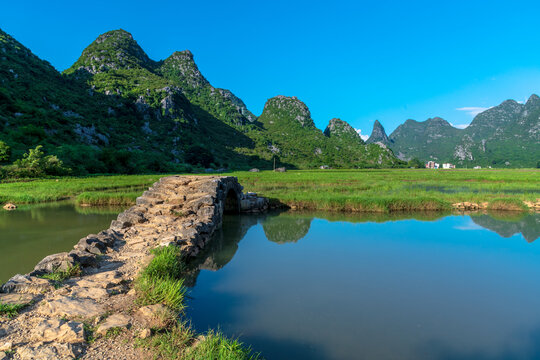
[59,276]
[160,282]
[506,205]
[391,189]
[167,262]
[214,345]
[107,198]
[382,190]
[180,342]
[39,191]
[10,310]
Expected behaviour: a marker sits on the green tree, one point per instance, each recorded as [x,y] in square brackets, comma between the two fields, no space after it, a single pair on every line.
[35,164]
[415,163]
[5,152]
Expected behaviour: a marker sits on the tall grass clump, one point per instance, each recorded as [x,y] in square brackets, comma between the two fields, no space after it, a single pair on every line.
[160,282]
[180,342]
[505,204]
[107,198]
[214,345]
[60,276]
[10,310]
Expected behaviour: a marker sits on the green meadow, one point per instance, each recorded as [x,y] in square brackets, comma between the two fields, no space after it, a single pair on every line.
[381,190]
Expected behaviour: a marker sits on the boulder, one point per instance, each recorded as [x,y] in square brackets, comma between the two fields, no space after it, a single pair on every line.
[10,207]
[5,331]
[91,244]
[94,293]
[60,261]
[12,299]
[84,258]
[47,330]
[72,308]
[53,351]
[156,316]
[127,219]
[27,284]
[105,280]
[280,169]
[113,321]
[144,334]
[254,170]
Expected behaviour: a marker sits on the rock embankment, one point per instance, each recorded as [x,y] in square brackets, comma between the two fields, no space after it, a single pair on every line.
[73,318]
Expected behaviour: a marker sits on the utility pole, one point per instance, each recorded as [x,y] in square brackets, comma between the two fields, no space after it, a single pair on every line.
[274,163]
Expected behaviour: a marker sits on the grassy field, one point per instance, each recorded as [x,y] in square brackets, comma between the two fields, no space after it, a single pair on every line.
[98,190]
[338,190]
[394,189]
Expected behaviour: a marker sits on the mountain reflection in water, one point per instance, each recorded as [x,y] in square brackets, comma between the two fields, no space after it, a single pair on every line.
[423,286]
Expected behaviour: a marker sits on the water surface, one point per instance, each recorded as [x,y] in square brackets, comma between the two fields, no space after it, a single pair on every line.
[30,233]
[313,286]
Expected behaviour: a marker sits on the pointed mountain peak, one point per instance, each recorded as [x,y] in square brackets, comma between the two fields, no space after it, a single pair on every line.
[437,121]
[342,129]
[112,50]
[289,109]
[181,67]
[533,102]
[378,134]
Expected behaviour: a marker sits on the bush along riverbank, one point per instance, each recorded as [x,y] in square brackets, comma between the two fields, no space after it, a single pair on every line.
[121,291]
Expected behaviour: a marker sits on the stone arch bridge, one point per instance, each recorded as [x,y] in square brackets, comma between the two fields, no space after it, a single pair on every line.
[177,210]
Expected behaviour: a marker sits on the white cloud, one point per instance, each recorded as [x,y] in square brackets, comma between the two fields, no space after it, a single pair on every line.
[364,137]
[473,110]
[470,225]
[460,126]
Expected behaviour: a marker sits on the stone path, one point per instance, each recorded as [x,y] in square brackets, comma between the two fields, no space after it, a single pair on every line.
[58,322]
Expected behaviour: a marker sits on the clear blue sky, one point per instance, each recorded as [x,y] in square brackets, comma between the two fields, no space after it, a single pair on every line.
[356,60]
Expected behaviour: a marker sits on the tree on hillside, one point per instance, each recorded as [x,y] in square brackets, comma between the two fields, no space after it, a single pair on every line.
[415,163]
[35,164]
[5,152]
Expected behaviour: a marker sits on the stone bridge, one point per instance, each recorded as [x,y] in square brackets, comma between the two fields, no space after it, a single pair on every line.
[184,211]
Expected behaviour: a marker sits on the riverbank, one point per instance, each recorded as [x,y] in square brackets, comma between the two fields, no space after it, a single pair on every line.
[121,291]
[383,190]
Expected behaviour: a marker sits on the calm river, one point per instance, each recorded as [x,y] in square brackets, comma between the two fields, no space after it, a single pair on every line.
[305,286]
[323,286]
[32,232]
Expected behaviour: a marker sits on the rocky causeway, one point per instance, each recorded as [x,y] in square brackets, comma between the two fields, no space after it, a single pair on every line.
[181,211]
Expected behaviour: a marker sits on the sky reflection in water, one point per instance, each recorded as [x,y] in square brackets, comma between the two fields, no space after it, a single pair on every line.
[299,286]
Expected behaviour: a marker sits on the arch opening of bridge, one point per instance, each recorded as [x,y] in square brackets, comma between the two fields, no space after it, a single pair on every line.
[232,203]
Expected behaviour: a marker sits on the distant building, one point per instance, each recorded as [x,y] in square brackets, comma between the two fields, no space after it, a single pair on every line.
[448,166]
[432,165]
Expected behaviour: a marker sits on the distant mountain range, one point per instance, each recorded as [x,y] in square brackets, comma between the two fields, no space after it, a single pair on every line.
[115,110]
[507,135]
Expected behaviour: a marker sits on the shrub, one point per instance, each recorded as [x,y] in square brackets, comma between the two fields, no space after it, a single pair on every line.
[5,152]
[35,164]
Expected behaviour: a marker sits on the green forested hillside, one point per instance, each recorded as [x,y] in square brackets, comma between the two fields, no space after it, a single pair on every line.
[118,111]
[507,135]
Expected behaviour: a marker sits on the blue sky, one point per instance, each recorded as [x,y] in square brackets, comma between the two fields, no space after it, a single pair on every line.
[356,60]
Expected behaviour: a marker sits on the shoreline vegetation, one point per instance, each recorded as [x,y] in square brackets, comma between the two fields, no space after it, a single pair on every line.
[162,283]
[383,191]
